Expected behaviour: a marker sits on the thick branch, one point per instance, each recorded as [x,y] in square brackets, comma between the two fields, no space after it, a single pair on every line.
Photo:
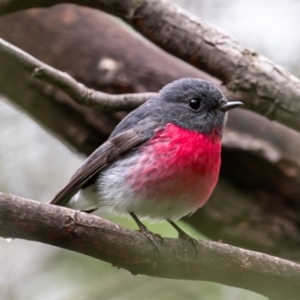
[80,93]
[93,236]
[265,87]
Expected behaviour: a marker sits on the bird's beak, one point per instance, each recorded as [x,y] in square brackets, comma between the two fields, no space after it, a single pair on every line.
[230,105]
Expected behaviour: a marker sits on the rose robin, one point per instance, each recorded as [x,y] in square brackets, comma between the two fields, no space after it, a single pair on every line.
[161,162]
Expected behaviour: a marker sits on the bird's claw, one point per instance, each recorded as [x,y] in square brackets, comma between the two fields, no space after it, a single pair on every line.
[152,237]
[184,236]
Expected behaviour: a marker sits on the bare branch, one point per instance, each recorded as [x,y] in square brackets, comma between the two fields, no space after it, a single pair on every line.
[77,91]
[265,87]
[96,237]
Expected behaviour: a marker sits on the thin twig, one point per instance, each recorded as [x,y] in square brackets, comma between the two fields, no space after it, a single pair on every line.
[77,91]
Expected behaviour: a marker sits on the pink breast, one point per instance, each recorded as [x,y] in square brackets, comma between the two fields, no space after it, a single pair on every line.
[177,164]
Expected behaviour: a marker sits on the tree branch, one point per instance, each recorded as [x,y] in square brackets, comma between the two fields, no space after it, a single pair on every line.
[264,87]
[96,237]
[77,91]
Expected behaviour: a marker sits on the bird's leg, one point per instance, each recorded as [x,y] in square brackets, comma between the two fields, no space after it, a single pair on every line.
[184,236]
[144,230]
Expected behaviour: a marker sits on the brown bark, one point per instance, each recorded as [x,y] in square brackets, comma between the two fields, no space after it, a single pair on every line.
[265,87]
[255,204]
[177,259]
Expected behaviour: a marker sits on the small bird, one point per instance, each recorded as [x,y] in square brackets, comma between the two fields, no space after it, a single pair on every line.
[161,162]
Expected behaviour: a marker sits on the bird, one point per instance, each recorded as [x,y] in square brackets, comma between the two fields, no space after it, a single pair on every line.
[161,162]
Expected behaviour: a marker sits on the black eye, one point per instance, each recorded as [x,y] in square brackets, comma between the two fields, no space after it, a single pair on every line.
[195,104]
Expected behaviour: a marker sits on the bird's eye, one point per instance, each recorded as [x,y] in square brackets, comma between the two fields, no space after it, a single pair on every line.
[195,104]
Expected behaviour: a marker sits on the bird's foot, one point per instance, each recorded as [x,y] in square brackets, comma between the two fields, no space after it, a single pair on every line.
[152,237]
[185,237]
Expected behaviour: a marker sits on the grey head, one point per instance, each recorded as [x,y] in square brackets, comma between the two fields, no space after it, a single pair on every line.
[190,103]
[195,104]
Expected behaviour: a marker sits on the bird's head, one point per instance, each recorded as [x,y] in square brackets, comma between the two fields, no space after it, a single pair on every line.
[195,104]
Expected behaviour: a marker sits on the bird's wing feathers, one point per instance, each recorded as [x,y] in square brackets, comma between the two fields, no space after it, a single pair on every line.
[100,158]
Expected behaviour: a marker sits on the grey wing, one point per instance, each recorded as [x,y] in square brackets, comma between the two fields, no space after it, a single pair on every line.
[100,158]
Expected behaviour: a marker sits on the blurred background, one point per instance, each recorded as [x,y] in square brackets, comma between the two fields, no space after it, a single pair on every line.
[35,164]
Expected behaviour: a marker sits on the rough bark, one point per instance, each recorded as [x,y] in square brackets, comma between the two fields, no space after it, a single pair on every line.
[176,259]
[255,204]
[265,87]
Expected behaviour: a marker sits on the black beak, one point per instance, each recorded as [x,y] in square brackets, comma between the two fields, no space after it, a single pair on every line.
[230,105]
